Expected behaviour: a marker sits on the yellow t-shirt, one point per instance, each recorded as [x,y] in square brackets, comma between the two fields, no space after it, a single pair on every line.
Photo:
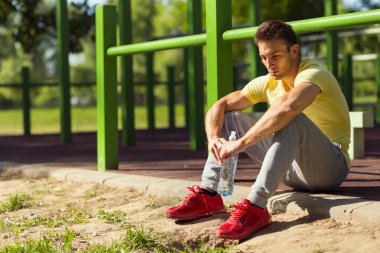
[329,110]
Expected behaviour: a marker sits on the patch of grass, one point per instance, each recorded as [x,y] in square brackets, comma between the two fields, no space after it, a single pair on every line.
[9,226]
[134,240]
[48,222]
[41,191]
[52,243]
[30,246]
[72,216]
[146,240]
[141,239]
[92,193]
[111,217]
[15,202]
[156,202]
[59,192]
[204,248]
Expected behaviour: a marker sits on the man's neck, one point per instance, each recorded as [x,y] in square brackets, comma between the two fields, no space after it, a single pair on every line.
[289,79]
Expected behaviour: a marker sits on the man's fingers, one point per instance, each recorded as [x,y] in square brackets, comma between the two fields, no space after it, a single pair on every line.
[215,152]
[216,148]
[222,140]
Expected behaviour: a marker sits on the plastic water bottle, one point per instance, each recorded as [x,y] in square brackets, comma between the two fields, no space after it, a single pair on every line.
[227,173]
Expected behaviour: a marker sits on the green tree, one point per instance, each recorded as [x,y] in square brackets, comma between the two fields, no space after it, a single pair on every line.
[29,32]
[33,21]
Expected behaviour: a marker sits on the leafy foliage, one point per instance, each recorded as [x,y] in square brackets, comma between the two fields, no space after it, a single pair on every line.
[33,21]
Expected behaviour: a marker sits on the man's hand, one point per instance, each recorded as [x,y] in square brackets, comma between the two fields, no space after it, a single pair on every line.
[215,146]
[223,149]
[235,101]
[230,148]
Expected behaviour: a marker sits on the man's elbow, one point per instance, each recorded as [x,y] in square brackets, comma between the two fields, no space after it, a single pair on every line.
[218,105]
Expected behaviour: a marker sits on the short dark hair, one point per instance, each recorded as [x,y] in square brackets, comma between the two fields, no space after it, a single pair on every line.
[276,29]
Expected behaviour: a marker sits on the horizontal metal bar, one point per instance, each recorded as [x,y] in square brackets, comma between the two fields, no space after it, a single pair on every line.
[51,84]
[81,84]
[10,85]
[341,34]
[84,84]
[180,42]
[315,24]
[300,26]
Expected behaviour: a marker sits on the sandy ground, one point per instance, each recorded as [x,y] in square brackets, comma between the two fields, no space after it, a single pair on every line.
[52,198]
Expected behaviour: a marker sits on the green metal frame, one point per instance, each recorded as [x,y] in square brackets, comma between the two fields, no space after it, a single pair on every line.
[186,86]
[332,39]
[195,78]
[377,117]
[63,70]
[314,24]
[106,82]
[257,68]
[219,53]
[219,61]
[26,99]
[347,79]
[171,97]
[149,58]
[128,135]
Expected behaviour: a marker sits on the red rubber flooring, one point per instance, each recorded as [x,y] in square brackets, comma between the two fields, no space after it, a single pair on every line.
[165,153]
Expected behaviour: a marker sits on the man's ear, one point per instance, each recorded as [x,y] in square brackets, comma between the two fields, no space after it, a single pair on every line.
[295,50]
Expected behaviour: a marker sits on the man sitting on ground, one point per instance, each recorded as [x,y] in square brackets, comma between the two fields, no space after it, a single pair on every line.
[301,140]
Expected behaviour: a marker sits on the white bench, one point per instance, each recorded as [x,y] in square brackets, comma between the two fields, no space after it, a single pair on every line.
[358,120]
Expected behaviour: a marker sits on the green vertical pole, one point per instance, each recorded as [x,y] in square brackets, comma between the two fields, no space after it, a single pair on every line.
[171,102]
[186,86]
[332,39]
[26,100]
[219,52]
[150,90]
[63,70]
[254,16]
[257,68]
[235,77]
[377,116]
[127,89]
[106,81]
[195,72]
[347,79]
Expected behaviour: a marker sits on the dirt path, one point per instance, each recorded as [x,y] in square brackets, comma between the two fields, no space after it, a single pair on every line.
[101,215]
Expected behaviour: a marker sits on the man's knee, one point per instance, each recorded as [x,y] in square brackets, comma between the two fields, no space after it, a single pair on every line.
[295,128]
[300,121]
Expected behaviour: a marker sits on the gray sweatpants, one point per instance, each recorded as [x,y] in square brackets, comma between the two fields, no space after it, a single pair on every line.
[299,155]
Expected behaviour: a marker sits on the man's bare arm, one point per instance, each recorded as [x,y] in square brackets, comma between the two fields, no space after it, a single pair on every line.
[279,114]
[215,118]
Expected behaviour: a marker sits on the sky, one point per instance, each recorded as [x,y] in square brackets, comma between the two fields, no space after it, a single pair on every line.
[355,3]
[91,2]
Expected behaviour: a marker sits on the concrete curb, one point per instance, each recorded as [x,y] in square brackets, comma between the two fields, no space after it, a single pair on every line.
[343,208]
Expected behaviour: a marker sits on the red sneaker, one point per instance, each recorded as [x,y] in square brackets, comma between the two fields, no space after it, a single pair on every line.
[196,205]
[244,221]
